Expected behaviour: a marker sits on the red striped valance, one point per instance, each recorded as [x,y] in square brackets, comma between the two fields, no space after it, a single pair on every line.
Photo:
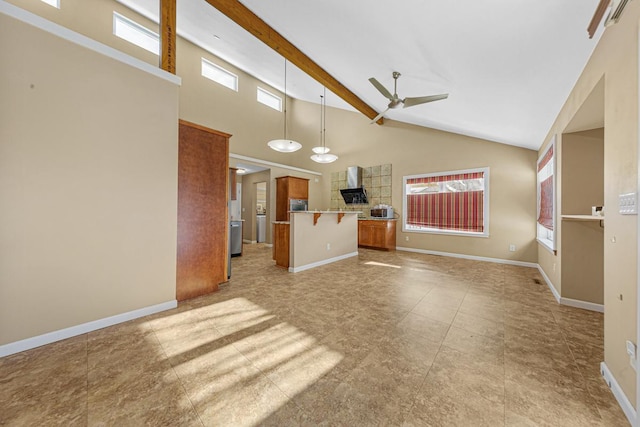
[442,178]
[547,156]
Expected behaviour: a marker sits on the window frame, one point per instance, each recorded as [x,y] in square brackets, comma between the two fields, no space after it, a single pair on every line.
[485,200]
[268,94]
[117,17]
[54,3]
[548,243]
[204,61]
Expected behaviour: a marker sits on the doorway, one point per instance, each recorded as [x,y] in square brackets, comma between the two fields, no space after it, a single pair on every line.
[261,211]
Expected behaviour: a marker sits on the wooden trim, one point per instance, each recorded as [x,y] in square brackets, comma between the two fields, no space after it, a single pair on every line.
[340,215]
[597,17]
[316,215]
[168,35]
[204,128]
[248,20]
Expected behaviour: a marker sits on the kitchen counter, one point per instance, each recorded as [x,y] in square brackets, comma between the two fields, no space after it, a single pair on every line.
[314,238]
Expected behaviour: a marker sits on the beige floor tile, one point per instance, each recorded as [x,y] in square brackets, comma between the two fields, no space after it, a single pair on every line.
[480,346]
[479,325]
[434,311]
[543,406]
[414,324]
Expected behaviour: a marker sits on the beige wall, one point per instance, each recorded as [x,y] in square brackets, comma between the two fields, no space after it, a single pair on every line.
[583,171]
[88,185]
[326,239]
[615,58]
[582,241]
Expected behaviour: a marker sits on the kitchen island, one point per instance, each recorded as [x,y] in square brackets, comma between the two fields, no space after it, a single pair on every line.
[314,238]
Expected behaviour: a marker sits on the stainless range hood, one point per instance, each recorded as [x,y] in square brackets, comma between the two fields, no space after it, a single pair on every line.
[355,192]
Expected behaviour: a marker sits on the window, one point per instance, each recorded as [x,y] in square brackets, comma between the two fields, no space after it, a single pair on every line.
[455,202]
[135,33]
[219,75]
[546,198]
[269,99]
[54,3]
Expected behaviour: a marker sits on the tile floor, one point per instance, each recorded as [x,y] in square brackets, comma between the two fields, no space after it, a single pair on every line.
[381,339]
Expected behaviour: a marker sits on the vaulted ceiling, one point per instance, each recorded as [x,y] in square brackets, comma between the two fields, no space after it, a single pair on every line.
[508,66]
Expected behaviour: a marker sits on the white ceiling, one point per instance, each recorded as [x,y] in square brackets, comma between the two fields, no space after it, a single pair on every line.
[508,66]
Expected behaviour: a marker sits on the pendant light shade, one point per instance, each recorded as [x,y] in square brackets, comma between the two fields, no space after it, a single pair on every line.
[322,151]
[324,158]
[284,145]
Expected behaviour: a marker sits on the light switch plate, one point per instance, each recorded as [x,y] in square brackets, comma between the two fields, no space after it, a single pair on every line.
[628,203]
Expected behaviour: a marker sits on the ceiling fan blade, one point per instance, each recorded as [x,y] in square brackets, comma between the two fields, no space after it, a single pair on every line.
[410,102]
[383,90]
[379,116]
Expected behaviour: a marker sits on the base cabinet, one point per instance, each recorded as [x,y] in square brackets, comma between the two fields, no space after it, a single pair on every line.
[281,244]
[377,234]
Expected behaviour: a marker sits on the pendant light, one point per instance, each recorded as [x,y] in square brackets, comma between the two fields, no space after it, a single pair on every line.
[284,145]
[322,152]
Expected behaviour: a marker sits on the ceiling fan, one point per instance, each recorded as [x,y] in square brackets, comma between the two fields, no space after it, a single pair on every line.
[395,99]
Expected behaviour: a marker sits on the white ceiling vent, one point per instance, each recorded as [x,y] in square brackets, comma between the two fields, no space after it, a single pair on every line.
[617,6]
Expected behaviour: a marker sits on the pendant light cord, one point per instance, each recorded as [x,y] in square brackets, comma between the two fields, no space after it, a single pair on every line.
[324,118]
[285,98]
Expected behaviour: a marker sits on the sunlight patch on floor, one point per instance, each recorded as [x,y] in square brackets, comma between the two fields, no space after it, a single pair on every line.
[381,264]
[238,363]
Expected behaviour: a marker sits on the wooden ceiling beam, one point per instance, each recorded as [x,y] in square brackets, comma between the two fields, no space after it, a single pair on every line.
[597,17]
[168,35]
[248,20]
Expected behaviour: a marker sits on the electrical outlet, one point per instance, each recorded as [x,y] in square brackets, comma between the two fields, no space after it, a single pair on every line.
[328,246]
[631,351]
[512,248]
[406,238]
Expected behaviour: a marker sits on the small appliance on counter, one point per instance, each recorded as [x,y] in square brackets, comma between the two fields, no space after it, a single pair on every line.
[298,205]
[382,211]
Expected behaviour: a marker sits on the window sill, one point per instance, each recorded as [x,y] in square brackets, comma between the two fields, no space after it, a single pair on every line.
[447,232]
[547,244]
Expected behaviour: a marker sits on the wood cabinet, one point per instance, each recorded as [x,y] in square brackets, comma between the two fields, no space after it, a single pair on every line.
[377,234]
[289,187]
[203,221]
[281,244]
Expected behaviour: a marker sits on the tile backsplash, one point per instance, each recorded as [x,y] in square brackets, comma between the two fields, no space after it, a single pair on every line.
[376,181]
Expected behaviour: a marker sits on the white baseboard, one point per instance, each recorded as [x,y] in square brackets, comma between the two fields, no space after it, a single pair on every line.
[624,403]
[553,289]
[592,306]
[472,257]
[48,338]
[269,245]
[585,305]
[323,262]
[251,242]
